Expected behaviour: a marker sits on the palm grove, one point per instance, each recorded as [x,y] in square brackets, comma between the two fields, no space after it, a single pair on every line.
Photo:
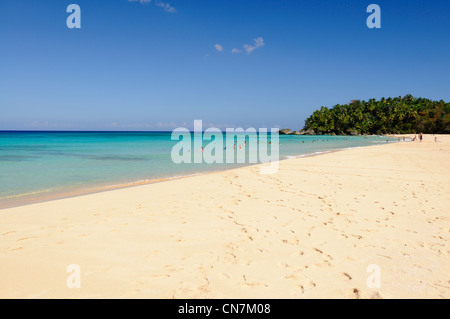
[398,115]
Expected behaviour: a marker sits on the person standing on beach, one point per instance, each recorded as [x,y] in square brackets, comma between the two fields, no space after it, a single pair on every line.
[420,137]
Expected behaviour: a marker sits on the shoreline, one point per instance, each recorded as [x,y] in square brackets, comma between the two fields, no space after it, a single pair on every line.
[58,195]
[312,230]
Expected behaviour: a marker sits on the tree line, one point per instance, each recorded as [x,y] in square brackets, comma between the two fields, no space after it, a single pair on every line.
[399,115]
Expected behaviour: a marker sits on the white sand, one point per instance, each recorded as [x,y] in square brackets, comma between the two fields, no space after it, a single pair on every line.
[309,231]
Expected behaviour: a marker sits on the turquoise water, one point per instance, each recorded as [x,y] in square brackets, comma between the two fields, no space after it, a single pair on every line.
[37,164]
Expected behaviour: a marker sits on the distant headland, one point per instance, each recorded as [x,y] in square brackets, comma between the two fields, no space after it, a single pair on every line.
[399,115]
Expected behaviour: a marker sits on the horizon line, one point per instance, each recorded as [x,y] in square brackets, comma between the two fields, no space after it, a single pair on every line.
[88,131]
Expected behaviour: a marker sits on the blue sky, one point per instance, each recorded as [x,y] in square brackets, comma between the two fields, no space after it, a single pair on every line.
[139,65]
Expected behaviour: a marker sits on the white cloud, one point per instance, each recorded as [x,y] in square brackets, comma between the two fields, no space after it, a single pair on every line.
[257,43]
[165,5]
[249,48]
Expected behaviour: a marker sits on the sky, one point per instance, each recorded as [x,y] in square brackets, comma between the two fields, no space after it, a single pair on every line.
[157,65]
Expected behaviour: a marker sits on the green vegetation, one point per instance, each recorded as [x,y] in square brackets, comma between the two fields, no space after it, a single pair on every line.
[400,115]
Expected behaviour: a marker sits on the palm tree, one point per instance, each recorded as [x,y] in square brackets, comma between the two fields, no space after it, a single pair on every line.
[400,114]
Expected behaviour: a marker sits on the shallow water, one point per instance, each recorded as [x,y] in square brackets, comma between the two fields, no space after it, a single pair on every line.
[34,164]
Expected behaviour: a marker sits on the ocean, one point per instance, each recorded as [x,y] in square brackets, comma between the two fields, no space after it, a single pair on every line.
[45,165]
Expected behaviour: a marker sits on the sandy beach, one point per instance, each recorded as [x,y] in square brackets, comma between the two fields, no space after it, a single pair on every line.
[313,230]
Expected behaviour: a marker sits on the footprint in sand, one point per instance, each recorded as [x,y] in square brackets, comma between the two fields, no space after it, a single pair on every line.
[299,289]
[25,238]
[253,284]
[312,284]
[347,276]
[318,250]
[8,233]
